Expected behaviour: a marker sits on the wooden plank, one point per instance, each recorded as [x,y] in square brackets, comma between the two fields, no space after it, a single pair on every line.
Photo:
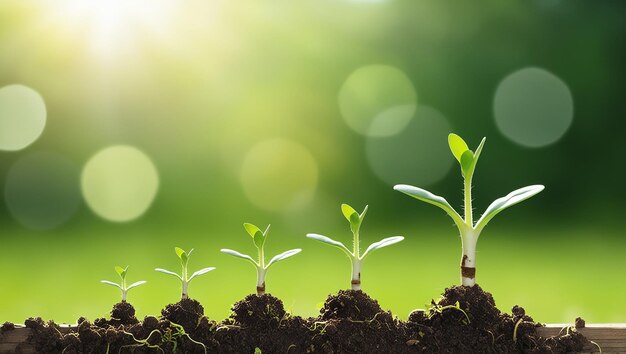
[611,337]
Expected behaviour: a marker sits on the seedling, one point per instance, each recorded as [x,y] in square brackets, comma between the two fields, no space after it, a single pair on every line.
[258,238]
[122,286]
[355,219]
[469,230]
[184,277]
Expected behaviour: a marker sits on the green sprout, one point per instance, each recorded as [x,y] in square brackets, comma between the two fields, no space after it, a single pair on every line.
[184,277]
[355,219]
[122,286]
[469,230]
[259,237]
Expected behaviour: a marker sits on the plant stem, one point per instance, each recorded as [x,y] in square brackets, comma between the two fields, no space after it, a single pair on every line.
[124,289]
[262,257]
[356,274]
[355,244]
[468,259]
[468,201]
[185,293]
[260,280]
[468,238]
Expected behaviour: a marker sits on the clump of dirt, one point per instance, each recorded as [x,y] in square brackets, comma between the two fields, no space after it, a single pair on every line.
[45,337]
[260,321]
[353,322]
[466,320]
[123,313]
[259,311]
[186,312]
[7,326]
[352,305]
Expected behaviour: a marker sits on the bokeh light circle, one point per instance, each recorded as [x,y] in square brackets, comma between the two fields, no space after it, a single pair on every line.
[279,175]
[119,183]
[42,190]
[533,107]
[419,155]
[22,117]
[377,100]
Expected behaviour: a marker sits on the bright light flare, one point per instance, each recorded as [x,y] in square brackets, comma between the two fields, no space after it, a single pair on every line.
[112,26]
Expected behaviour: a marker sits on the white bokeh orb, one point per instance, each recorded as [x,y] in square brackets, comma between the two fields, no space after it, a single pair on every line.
[533,107]
[419,155]
[119,183]
[377,100]
[22,117]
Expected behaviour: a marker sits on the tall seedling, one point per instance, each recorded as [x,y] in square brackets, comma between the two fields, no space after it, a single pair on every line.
[469,230]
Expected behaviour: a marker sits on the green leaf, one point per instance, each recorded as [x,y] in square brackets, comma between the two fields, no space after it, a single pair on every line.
[180,253]
[362,216]
[467,161]
[257,350]
[509,200]
[426,196]
[330,241]
[348,211]
[258,237]
[121,271]
[240,255]
[251,229]
[479,149]
[283,255]
[259,240]
[382,243]
[457,146]
[353,217]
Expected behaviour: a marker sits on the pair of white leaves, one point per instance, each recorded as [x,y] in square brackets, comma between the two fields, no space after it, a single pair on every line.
[122,273]
[497,206]
[184,258]
[195,274]
[133,285]
[374,246]
[274,259]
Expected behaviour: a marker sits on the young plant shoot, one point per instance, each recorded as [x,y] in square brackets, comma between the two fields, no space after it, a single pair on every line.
[258,238]
[122,286]
[184,277]
[355,219]
[469,230]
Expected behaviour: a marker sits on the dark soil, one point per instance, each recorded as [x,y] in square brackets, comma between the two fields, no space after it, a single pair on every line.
[445,328]
[463,320]
[186,312]
[7,326]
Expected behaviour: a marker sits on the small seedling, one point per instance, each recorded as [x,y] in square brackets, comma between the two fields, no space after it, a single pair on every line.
[258,238]
[184,277]
[355,219]
[469,230]
[122,286]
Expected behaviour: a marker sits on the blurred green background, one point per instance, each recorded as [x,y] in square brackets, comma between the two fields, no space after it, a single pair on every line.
[279,111]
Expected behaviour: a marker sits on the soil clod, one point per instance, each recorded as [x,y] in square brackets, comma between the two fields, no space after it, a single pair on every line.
[186,312]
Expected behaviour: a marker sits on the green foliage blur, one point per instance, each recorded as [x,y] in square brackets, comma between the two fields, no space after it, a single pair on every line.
[197,84]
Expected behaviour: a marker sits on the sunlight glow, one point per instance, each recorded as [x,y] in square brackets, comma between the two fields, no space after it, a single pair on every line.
[112,25]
